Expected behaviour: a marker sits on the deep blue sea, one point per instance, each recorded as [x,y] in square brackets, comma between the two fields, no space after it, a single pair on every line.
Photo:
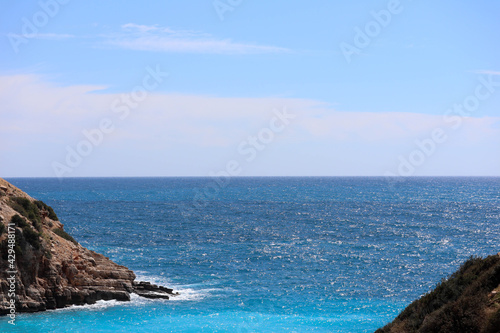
[268,254]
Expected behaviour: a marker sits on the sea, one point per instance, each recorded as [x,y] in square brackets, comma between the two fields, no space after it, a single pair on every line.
[270,254]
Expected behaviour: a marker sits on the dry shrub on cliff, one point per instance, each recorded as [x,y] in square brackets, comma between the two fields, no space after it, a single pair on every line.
[32,237]
[26,208]
[493,325]
[34,211]
[42,206]
[18,221]
[28,235]
[457,304]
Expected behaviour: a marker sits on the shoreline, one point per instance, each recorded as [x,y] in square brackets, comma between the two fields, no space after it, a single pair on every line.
[43,268]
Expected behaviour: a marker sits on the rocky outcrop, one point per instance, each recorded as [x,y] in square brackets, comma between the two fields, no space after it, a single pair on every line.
[148,290]
[469,301]
[49,268]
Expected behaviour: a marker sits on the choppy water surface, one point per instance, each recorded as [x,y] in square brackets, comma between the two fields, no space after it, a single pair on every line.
[269,254]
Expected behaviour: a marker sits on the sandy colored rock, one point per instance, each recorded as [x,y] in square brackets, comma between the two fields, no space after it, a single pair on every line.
[60,273]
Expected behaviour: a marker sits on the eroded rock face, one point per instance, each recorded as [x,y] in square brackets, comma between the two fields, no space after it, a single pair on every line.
[56,272]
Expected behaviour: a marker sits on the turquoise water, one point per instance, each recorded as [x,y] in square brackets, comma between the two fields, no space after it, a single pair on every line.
[268,254]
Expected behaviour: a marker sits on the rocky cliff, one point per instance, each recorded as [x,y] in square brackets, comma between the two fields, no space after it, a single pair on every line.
[468,301]
[42,267]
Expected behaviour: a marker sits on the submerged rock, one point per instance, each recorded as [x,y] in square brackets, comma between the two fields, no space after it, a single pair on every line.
[50,269]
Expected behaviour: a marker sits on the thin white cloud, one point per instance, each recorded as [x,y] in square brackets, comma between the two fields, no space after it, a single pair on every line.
[222,119]
[139,27]
[161,39]
[487,72]
[160,44]
[54,36]
[51,36]
[196,130]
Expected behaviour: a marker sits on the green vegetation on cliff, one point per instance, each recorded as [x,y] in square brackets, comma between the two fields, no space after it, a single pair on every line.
[64,235]
[34,211]
[28,235]
[465,302]
[51,272]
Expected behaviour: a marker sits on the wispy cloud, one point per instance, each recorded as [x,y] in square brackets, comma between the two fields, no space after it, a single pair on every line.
[162,39]
[487,72]
[225,119]
[198,132]
[52,36]
[139,27]
[155,38]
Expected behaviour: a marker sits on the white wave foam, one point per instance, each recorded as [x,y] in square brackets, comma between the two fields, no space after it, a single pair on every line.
[135,300]
[187,292]
[99,305]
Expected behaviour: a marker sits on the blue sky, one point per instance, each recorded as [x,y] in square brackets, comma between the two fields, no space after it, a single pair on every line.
[234,69]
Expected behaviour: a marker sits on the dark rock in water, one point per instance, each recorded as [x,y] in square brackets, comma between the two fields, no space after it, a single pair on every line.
[51,270]
[148,290]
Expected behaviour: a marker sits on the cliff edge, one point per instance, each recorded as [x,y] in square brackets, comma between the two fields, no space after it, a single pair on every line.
[468,301]
[42,267]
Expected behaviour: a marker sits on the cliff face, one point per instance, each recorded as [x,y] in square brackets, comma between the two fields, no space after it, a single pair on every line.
[50,268]
[469,301]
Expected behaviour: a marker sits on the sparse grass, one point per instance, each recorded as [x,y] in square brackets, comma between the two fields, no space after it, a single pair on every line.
[48,254]
[64,235]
